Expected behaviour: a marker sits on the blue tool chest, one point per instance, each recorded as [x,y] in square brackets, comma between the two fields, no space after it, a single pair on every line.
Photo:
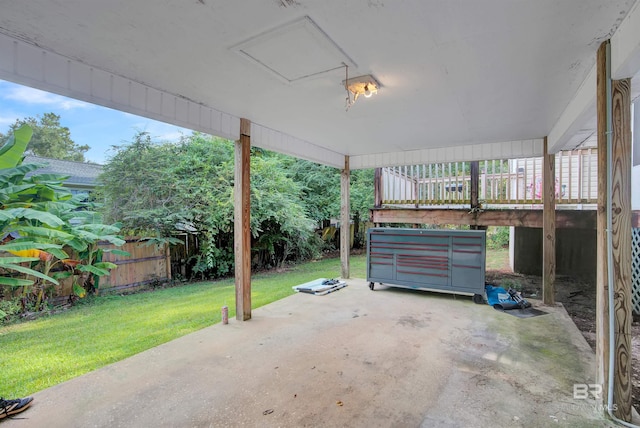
[450,261]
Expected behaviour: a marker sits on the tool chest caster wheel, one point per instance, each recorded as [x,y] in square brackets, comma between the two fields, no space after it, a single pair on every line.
[371,286]
[478,299]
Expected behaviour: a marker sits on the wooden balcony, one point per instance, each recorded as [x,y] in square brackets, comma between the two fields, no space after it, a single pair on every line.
[509,192]
[515,183]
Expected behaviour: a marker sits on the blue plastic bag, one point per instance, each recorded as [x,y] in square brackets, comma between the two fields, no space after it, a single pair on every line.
[502,300]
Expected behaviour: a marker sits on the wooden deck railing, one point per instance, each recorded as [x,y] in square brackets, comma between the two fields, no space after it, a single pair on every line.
[500,182]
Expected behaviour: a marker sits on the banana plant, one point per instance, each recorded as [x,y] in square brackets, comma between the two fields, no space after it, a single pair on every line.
[84,223]
[14,197]
[50,225]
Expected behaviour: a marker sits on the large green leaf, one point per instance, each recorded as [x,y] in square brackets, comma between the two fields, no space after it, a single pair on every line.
[92,269]
[26,244]
[86,236]
[115,240]
[48,234]
[61,191]
[15,260]
[12,151]
[16,175]
[14,282]
[77,244]
[99,229]
[62,275]
[31,272]
[13,189]
[22,169]
[31,214]
[58,253]
[82,217]
[117,252]
[47,194]
[105,265]
[22,200]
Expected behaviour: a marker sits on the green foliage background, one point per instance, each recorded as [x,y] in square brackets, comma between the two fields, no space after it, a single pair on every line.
[158,189]
[497,237]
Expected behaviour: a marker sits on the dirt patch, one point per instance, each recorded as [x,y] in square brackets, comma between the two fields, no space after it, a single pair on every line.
[578,296]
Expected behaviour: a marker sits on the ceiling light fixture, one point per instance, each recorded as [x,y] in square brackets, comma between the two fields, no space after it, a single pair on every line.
[365,85]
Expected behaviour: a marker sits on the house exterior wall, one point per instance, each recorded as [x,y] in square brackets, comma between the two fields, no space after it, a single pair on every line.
[576,176]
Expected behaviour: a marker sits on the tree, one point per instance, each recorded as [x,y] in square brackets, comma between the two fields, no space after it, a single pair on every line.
[320,187]
[361,193]
[50,139]
[139,188]
[160,188]
[280,224]
[361,201]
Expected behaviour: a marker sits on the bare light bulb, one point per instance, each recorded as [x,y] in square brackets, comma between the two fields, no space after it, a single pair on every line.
[367,92]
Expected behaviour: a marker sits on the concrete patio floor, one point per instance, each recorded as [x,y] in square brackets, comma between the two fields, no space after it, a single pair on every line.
[353,358]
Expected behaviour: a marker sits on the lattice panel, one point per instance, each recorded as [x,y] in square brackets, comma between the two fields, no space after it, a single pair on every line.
[635,269]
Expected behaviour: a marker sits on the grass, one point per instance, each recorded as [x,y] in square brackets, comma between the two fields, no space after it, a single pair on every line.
[498,259]
[102,330]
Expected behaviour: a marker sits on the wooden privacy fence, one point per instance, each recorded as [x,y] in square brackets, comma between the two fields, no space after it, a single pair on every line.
[146,264]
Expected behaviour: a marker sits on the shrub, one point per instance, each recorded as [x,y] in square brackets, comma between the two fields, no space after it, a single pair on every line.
[497,237]
[9,309]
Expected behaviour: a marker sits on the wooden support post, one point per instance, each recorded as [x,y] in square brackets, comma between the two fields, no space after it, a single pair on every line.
[474,172]
[416,187]
[242,222]
[621,244]
[377,188]
[602,281]
[474,181]
[548,228]
[345,224]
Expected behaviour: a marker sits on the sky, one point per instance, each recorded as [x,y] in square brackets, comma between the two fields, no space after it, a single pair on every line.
[98,127]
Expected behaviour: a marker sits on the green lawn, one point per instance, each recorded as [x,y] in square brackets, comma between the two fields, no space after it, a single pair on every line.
[38,354]
[498,259]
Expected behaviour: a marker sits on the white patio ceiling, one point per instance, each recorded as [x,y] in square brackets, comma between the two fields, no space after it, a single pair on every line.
[461,80]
